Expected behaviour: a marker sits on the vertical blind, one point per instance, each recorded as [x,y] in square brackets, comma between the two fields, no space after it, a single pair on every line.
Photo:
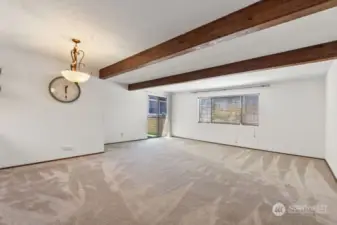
[250,109]
[205,110]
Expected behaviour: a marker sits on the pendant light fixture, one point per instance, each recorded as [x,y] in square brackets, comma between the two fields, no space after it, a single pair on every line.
[74,75]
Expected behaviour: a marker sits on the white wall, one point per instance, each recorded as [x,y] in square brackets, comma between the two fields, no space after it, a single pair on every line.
[292,119]
[125,114]
[331,118]
[34,127]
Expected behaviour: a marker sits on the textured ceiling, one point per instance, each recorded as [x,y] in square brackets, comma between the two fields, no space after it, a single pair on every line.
[311,30]
[112,30]
[109,29]
[308,71]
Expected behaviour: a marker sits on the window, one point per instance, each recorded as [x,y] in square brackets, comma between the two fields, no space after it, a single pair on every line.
[250,110]
[153,106]
[226,110]
[205,110]
[162,107]
[157,106]
[230,109]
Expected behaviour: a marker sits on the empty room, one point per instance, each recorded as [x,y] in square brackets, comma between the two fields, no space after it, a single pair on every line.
[173,112]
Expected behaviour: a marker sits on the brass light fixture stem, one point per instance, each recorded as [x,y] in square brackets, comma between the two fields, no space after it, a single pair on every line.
[74,53]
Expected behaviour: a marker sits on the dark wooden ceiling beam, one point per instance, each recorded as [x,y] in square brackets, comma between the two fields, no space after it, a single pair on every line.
[261,15]
[306,55]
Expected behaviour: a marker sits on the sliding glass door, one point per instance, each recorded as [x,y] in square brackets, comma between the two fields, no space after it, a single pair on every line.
[156,116]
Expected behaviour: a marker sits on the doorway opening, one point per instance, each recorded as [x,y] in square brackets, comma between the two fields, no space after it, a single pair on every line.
[156,116]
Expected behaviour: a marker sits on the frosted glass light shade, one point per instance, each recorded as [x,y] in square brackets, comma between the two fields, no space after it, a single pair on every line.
[75,76]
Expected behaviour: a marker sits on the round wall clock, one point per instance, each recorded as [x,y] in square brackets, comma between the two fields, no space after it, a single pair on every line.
[63,90]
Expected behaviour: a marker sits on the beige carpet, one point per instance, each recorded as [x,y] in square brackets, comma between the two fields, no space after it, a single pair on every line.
[169,182]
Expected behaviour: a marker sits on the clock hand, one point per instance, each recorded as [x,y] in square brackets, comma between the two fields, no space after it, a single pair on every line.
[66,91]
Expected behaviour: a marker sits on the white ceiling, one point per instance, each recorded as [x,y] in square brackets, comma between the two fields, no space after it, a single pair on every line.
[311,30]
[309,71]
[110,30]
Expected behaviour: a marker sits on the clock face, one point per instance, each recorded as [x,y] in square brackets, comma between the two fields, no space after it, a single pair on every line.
[63,90]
